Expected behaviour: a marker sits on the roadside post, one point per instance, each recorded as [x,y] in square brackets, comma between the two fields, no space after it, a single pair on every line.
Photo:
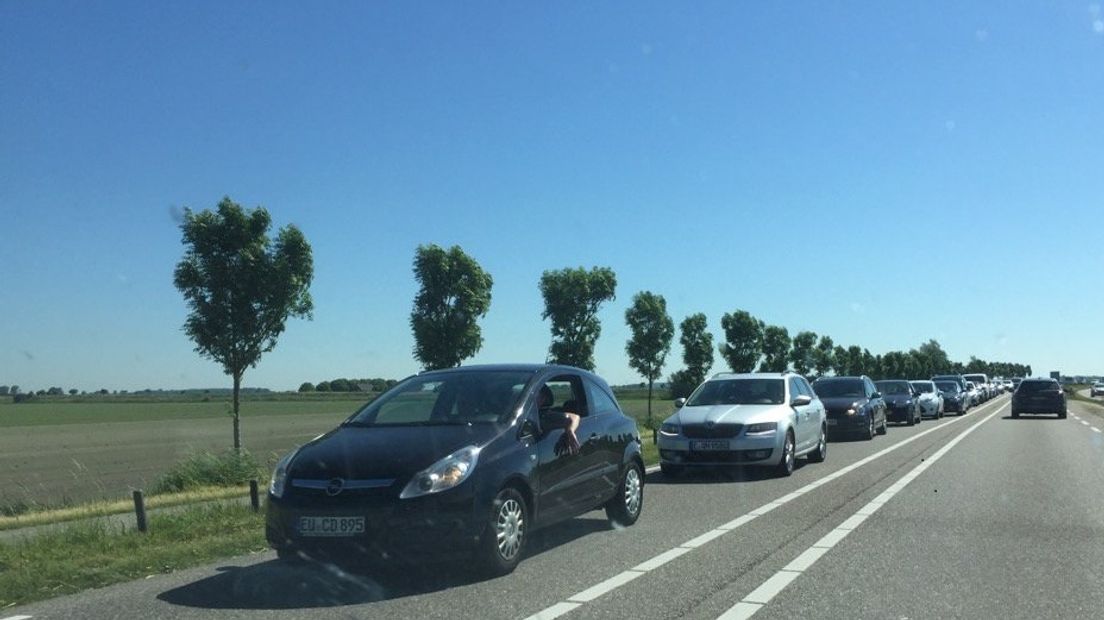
[254,496]
[140,510]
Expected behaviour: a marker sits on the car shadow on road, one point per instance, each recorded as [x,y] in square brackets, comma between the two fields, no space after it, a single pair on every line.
[719,474]
[275,584]
[1032,416]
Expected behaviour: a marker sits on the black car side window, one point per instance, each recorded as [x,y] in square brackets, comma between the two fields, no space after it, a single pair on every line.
[600,402]
[567,395]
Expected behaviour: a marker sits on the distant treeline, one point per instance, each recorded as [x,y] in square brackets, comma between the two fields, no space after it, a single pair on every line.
[348,385]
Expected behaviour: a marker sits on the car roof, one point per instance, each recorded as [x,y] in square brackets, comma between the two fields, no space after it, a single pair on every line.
[522,367]
[752,375]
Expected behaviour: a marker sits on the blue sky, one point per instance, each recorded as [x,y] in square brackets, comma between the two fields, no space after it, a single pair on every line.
[883,174]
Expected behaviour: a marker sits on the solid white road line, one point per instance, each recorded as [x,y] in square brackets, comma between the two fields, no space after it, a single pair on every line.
[573,602]
[17,618]
[778,582]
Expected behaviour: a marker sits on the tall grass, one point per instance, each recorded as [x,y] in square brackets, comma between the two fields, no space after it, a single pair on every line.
[205,469]
[96,554]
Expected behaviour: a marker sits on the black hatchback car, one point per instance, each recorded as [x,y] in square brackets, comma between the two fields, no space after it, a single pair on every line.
[1039,396]
[902,401]
[853,405]
[458,461]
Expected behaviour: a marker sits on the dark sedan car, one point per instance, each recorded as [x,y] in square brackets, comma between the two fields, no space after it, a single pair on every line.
[1039,396]
[853,405]
[462,461]
[954,398]
[902,401]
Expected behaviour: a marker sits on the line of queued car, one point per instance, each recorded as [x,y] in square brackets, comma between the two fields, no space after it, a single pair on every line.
[470,461]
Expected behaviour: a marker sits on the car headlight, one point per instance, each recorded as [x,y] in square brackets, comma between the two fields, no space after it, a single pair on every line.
[762,428]
[908,402]
[280,474]
[444,474]
[670,429]
[854,408]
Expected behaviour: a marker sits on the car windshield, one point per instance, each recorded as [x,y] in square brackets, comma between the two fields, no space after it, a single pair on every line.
[924,387]
[738,392]
[472,397]
[948,386]
[894,388]
[1031,387]
[839,388]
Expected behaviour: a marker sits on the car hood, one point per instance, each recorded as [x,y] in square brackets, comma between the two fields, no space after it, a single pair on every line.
[842,402]
[728,414]
[896,399]
[359,453]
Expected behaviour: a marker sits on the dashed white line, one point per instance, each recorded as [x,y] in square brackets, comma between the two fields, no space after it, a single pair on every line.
[770,588]
[573,602]
[1095,429]
[1084,422]
[17,618]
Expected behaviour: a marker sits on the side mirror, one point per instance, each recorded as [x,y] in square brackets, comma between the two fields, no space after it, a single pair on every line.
[679,402]
[876,395]
[801,400]
[528,428]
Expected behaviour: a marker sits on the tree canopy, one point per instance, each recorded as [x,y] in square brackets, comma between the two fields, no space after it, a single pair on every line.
[572,298]
[652,332]
[454,294]
[743,345]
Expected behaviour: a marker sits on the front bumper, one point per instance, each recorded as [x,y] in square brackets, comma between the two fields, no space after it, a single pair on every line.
[679,450]
[929,408]
[900,414]
[843,423]
[443,524]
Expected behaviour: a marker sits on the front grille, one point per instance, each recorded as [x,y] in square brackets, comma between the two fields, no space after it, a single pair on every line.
[717,431]
[738,456]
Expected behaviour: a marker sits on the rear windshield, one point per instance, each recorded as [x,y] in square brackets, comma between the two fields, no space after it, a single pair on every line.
[835,388]
[894,387]
[947,386]
[977,379]
[739,392]
[1029,387]
[924,387]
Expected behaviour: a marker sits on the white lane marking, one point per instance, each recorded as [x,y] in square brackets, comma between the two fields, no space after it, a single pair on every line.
[778,582]
[1084,422]
[651,470]
[572,602]
[612,583]
[1095,429]
[17,618]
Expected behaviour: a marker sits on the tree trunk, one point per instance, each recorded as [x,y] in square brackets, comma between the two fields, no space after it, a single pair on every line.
[649,403]
[237,426]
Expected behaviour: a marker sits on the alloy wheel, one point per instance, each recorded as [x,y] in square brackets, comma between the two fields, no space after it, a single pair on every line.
[510,528]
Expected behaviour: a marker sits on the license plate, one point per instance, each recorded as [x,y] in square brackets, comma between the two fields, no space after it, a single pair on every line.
[331,526]
[709,445]
[832,421]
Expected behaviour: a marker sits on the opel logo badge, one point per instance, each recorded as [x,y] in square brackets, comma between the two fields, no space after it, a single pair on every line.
[335,486]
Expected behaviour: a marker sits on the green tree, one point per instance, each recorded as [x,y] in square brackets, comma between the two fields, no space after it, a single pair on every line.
[776,349]
[572,298]
[241,286]
[4,390]
[841,363]
[306,386]
[323,386]
[73,391]
[803,354]
[652,332]
[871,367]
[697,354]
[854,361]
[340,385]
[824,358]
[743,345]
[454,294]
[936,359]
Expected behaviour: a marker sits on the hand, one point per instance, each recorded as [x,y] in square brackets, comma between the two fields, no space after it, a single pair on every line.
[568,443]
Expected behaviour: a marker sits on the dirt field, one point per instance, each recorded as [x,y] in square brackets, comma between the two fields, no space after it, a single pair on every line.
[74,461]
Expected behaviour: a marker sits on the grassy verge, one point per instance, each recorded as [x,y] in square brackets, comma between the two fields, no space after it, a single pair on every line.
[1072,394]
[92,555]
[46,516]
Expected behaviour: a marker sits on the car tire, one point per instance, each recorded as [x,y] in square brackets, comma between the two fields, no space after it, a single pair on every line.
[911,420]
[1062,416]
[671,471]
[507,529]
[1015,415]
[625,507]
[786,464]
[870,431]
[885,426]
[821,452]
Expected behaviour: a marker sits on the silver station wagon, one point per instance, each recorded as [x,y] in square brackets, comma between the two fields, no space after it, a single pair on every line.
[764,419]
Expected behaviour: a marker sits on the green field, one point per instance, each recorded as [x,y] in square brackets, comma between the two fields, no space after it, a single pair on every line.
[49,412]
[60,452]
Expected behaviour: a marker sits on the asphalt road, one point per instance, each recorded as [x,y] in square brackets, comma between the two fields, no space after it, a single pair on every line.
[972,517]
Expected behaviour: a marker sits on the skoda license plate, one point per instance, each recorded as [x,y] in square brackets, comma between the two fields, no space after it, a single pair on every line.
[331,526]
[704,446]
